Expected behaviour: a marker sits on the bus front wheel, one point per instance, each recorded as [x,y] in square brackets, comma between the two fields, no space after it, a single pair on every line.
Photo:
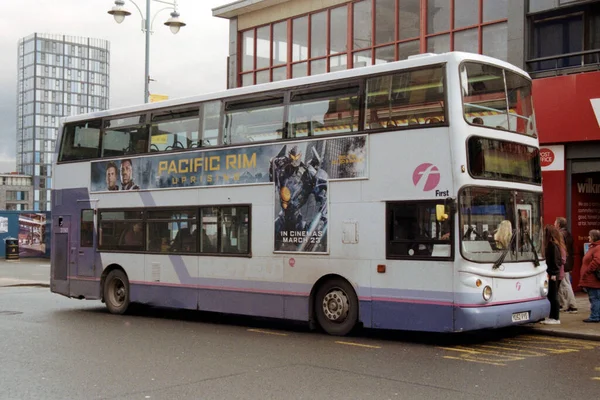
[336,307]
[116,292]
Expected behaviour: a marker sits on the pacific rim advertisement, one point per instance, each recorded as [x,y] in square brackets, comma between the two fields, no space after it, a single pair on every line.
[300,172]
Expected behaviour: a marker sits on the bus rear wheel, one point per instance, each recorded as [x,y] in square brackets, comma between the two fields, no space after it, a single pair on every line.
[336,307]
[116,292]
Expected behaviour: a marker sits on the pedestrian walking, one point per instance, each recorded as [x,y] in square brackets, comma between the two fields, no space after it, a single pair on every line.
[566,297]
[590,275]
[552,251]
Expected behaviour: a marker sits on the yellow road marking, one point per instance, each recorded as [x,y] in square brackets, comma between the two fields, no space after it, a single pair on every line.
[519,348]
[510,350]
[477,361]
[596,379]
[267,332]
[488,356]
[585,344]
[530,345]
[359,345]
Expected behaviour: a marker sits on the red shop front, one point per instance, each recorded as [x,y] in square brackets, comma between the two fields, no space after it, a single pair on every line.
[567,112]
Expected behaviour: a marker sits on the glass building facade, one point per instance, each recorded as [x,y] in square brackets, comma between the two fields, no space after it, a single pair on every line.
[58,76]
[292,39]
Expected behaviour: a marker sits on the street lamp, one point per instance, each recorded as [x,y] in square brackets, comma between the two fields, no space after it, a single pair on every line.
[174,23]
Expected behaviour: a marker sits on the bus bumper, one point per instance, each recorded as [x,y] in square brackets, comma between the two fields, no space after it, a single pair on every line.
[499,316]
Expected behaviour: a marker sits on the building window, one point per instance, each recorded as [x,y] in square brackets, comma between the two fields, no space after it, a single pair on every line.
[381,31]
[559,32]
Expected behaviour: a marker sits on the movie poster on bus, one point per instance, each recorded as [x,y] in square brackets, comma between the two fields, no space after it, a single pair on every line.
[301,192]
[339,158]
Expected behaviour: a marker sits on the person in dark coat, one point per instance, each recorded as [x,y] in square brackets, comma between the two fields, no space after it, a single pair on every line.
[552,251]
[588,279]
[566,296]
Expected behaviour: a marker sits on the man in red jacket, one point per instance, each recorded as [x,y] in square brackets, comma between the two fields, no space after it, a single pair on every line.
[588,279]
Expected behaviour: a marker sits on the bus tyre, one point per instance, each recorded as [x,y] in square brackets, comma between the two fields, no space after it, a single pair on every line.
[336,307]
[116,292]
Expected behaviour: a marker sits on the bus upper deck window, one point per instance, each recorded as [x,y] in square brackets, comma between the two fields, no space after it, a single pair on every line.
[404,99]
[80,141]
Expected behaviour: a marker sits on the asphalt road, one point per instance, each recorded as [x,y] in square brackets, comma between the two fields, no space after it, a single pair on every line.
[56,348]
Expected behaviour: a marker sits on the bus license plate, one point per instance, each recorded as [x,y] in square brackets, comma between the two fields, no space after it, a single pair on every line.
[520,316]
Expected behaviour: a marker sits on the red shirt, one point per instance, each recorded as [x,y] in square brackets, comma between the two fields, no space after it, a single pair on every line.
[591,263]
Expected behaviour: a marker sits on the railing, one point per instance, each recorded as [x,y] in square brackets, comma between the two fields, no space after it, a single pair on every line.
[568,61]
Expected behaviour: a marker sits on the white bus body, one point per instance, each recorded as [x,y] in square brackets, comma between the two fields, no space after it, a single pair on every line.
[360,266]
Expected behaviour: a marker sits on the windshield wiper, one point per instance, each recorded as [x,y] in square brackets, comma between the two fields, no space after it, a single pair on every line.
[536,259]
[500,259]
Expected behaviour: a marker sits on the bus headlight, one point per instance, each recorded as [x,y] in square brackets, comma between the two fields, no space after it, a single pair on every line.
[487,293]
[544,288]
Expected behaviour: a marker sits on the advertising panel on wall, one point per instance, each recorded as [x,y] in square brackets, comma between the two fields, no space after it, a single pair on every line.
[585,212]
[30,228]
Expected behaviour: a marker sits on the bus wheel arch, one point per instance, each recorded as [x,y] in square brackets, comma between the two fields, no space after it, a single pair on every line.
[115,289]
[333,305]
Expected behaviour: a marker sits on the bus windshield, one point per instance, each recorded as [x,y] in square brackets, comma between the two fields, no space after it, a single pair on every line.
[495,220]
[497,98]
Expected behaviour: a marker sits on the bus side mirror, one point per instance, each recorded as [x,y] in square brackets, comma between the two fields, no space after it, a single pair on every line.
[440,213]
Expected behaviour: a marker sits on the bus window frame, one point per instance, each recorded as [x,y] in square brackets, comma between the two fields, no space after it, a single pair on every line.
[284,95]
[145,219]
[418,202]
[475,177]
[62,137]
[324,92]
[363,100]
[197,107]
[146,124]
[462,99]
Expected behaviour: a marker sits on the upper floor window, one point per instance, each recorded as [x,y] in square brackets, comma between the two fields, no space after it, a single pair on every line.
[380,31]
[559,32]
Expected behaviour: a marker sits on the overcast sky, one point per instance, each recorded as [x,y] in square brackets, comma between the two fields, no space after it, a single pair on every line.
[189,63]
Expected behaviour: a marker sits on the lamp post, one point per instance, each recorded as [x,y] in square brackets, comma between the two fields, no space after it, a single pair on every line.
[174,23]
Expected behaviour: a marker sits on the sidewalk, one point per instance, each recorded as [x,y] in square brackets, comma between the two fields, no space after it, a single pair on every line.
[25,272]
[572,325]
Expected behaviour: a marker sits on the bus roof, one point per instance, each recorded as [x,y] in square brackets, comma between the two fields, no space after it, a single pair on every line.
[412,62]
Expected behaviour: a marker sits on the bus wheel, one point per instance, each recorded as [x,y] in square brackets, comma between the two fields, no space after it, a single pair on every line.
[336,307]
[116,292]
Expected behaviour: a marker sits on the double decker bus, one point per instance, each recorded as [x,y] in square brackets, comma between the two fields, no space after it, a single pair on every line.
[399,196]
